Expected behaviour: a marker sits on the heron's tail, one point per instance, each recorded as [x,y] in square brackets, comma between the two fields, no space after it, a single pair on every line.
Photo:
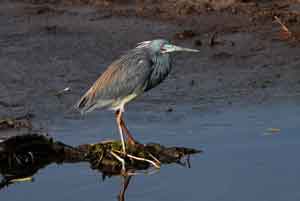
[87,104]
[84,105]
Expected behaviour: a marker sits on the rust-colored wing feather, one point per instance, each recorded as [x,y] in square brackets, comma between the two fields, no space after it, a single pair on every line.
[126,76]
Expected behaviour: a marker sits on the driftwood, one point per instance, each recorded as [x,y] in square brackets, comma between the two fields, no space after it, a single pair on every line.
[22,156]
[102,156]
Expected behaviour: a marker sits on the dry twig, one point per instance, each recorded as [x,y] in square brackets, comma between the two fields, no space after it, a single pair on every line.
[286,31]
[212,40]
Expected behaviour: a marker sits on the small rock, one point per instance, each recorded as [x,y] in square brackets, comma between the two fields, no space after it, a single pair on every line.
[185,34]
[192,83]
[169,109]
[222,55]
[198,42]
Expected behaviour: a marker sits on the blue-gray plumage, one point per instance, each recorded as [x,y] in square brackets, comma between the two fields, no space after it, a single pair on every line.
[134,73]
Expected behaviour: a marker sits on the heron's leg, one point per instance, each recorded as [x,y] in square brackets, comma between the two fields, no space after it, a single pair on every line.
[130,138]
[119,118]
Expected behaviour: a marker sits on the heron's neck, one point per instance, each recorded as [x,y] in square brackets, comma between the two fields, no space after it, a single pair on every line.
[162,59]
[161,68]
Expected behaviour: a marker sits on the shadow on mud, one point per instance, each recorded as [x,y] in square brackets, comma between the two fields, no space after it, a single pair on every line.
[22,156]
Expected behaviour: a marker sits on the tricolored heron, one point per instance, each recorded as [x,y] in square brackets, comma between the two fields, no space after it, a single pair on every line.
[134,73]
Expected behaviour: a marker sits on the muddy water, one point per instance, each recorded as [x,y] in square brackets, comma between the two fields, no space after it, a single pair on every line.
[243,159]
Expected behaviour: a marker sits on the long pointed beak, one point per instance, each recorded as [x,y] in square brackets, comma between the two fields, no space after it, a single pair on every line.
[178,48]
[173,48]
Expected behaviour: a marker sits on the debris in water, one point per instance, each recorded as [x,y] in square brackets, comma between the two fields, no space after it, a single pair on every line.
[22,156]
[285,33]
[185,34]
[63,91]
[272,131]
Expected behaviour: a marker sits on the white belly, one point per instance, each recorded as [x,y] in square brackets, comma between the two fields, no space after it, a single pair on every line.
[120,103]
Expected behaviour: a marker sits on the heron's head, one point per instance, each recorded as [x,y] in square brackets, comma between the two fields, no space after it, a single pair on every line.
[161,46]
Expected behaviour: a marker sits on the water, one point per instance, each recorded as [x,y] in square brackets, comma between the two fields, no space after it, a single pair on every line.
[242,160]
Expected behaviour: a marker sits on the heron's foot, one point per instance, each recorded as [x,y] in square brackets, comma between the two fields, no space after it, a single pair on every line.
[122,161]
[142,147]
[156,163]
[153,161]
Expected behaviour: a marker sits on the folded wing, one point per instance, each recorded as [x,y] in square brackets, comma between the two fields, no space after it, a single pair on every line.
[125,76]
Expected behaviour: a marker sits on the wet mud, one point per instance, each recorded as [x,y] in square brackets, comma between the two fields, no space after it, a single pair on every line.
[48,47]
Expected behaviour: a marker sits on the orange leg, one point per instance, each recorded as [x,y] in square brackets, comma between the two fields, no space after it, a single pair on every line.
[122,128]
[118,118]
[130,138]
